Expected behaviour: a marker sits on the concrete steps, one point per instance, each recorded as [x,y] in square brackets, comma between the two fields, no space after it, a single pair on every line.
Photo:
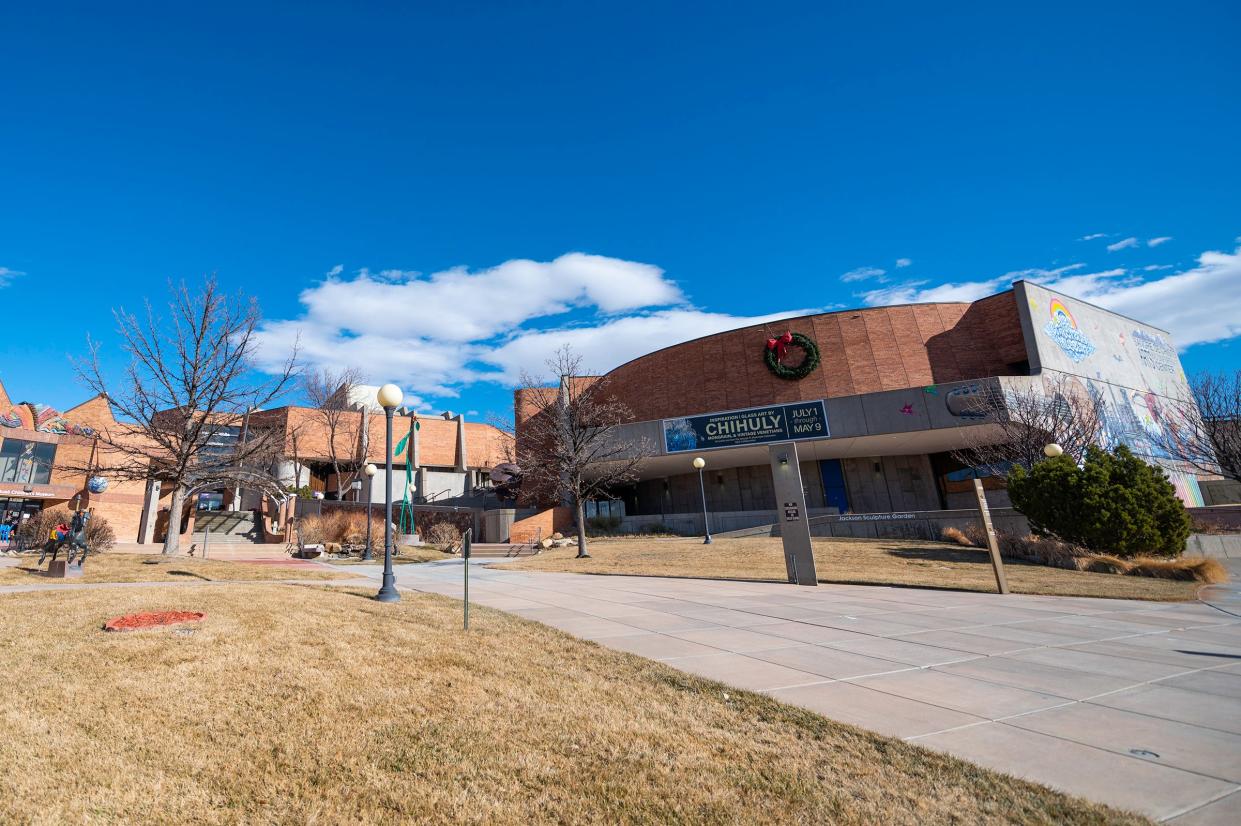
[227,528]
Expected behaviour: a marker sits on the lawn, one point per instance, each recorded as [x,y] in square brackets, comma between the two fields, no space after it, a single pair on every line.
[299,704]
[126,567]
[854,561]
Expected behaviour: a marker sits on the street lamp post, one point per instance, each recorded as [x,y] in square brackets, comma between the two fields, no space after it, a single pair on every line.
[700,463]
[370,470]
[389,397]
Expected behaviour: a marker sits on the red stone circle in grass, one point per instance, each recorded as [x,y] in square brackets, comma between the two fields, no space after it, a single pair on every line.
[151,619]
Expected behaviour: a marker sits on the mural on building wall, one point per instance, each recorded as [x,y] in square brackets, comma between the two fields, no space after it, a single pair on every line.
[1131,367]
[46,419]
[1063,330]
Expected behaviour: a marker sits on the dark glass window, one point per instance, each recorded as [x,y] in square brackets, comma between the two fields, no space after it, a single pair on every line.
[26,462]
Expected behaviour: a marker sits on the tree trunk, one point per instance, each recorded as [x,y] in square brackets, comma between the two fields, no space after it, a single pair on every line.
[581,529]
[172,542]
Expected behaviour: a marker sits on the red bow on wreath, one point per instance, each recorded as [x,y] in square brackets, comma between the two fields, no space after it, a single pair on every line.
[780,345]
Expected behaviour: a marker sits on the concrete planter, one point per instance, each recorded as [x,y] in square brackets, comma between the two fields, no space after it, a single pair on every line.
[1219,546]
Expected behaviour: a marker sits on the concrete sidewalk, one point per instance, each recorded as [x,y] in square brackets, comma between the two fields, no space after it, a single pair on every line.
[1136,704]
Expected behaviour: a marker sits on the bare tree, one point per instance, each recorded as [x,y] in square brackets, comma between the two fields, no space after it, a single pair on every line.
[329,393]
[1023,420]
[1207,435]
[186,392]
[568,446]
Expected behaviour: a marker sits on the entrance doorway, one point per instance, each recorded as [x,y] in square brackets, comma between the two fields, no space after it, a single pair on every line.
[834,493]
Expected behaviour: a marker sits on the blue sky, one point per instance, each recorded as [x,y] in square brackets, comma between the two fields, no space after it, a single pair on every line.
[650,172]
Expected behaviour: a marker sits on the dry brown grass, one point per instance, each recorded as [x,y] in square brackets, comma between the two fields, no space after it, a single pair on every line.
[314,705]
[859,561]
[127,567]
[405,555]
[1184,569]
[341,527]
[1046,551]
[956,535]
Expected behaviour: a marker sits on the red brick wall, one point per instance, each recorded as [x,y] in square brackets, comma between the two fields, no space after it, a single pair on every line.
[862,351]
[542,525]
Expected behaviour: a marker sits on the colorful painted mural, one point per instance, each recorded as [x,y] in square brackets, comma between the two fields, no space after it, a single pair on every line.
[46,419]
[1063,330]
[1132,368]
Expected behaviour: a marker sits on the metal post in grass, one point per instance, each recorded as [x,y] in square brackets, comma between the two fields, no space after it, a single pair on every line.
[465,564]
[993,547]
[370,498]
[389,397]
[700,463]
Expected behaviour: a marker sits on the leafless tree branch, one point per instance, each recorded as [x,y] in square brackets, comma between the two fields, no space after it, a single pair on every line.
[329,392]
[567,445]
[1206,436]
[184,395]
[1026,419]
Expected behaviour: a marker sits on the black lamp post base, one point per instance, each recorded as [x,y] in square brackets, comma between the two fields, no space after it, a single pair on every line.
[707,541]
[388,592]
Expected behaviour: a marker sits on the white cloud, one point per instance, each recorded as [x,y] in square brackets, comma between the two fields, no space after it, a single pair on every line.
[7,275]
[618,340]
[460,305]
[903,262]
[1157,267]
[863,273]
[1163,239]
[912,292]
[335,271]
[1124,243]
[440,333]
[1092,236]
[1197,306]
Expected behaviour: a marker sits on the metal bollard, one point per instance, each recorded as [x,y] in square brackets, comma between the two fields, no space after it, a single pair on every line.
[465,562]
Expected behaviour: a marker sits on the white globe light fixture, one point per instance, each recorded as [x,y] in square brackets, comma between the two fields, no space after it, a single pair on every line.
[699,464]
[1053,450]
[370,470]
[389,396]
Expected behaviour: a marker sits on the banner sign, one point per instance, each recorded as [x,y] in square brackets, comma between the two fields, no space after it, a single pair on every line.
[759,425]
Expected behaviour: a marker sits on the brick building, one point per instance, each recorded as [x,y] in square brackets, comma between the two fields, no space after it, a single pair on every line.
[50,458]
[875,422]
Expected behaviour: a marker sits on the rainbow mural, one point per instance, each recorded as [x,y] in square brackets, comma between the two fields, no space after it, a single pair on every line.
[1062,329]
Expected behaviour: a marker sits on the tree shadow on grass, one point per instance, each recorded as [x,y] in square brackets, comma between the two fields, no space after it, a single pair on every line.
[976,556]
[191,574]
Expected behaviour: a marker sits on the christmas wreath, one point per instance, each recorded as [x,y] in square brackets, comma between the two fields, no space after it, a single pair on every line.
[777,349]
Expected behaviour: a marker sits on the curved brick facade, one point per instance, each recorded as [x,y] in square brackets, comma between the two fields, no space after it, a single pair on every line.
[863,351]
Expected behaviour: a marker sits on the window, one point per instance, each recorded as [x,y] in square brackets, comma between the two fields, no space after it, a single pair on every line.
[26,462]
[222,441]
[606,508]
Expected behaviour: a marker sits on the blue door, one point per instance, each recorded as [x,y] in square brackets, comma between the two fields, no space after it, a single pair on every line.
[834,493]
